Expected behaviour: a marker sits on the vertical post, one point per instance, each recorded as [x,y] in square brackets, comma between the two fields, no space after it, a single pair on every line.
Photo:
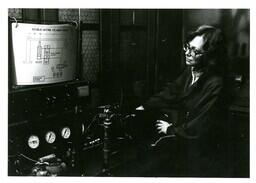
[76,146]
[106,149]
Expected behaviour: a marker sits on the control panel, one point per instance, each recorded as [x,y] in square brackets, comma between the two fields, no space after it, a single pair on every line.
[45,128]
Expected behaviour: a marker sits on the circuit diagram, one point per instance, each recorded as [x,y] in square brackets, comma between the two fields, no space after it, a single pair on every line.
[47,52]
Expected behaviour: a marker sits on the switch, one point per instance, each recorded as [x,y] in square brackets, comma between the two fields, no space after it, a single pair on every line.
[83,91]
[47,100]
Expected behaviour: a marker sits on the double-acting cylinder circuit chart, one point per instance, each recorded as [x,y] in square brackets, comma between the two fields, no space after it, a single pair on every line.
[46,52]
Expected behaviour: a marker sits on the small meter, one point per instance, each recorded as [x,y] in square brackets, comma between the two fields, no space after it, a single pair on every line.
[65,132]
[33,141]
[50,137]
[83,91]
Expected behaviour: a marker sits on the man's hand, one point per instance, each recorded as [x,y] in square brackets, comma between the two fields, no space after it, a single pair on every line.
[162,126]
[140,108]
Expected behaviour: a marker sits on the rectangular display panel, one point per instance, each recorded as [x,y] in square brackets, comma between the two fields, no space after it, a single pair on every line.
[43,54]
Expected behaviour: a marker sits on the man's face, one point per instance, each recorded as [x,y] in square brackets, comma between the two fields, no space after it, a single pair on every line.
[194,51]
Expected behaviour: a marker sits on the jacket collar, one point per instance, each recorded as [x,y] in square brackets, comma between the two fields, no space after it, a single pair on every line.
[190,88]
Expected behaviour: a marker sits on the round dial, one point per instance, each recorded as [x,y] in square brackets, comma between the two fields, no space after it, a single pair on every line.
[65,132]
[33,141]
[50,137]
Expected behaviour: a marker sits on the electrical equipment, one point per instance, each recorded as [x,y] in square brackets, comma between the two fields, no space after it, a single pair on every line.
[46,120]
[53,131]
[33,141]
[65,132]
[50,137]
[104,141]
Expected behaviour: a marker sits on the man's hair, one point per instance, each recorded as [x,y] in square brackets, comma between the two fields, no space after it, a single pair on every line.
[214,58]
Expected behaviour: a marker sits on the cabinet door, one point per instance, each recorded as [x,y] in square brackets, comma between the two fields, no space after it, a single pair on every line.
[133,53]
[169,44]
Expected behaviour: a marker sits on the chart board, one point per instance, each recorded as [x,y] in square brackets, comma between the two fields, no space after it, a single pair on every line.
[44,54]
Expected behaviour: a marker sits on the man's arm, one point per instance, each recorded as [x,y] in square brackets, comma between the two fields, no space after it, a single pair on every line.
[168,94]
[201,120]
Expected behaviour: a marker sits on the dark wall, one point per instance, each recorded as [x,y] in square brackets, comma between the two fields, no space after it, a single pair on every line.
[141,50]
[235,23]
[169,44]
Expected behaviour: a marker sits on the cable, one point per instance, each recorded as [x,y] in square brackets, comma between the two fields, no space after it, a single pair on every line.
[161,138]
[93,120]
[34,161]
[30,159]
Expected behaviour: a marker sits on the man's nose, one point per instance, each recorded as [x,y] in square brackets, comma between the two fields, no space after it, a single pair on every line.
[188,52]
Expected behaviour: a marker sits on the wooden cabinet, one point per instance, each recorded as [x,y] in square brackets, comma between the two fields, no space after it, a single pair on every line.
[239,141]
[140,49]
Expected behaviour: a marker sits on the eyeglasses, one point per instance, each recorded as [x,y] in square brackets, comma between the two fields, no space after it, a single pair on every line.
[191,50]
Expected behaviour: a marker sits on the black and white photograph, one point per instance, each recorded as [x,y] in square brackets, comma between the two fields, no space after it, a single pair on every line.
[128,92]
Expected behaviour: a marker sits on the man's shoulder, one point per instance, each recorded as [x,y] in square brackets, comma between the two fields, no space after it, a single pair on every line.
[214,80]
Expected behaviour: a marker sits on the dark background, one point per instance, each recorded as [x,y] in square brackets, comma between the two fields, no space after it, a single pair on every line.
[126,55]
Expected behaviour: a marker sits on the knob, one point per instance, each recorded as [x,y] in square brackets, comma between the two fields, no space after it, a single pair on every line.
[48,100]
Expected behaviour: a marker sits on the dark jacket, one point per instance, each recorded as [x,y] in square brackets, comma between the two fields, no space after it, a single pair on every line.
[194,110]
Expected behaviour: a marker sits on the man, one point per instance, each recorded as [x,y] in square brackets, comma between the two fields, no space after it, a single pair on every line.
[193,105]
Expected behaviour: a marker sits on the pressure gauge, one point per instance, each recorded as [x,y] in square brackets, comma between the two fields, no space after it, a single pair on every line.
[33,141]
[65,132]
[50,137]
